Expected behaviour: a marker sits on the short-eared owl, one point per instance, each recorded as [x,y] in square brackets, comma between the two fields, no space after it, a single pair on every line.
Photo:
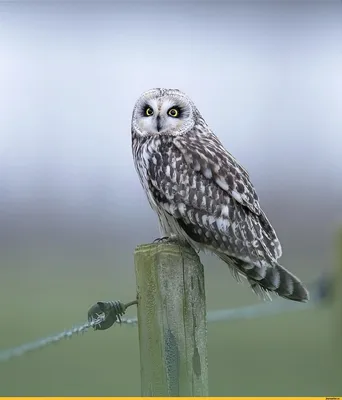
[202,195]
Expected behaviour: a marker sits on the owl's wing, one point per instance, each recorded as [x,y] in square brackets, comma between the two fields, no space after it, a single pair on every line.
[205,154]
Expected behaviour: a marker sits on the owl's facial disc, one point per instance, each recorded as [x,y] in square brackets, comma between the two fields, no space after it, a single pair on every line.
[158,113]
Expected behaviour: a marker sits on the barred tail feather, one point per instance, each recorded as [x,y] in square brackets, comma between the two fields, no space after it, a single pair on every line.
[283,282]
[266,279]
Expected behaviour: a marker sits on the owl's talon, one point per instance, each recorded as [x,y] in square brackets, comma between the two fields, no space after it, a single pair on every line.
[162,239]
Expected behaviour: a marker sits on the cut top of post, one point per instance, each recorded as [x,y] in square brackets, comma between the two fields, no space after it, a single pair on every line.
[153,249]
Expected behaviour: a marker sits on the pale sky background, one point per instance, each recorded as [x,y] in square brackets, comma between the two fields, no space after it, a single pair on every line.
[265,75]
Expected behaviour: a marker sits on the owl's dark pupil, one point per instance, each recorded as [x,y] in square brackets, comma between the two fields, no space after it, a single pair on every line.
[173,112]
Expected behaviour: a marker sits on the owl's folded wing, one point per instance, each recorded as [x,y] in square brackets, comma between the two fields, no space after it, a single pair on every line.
[207,155]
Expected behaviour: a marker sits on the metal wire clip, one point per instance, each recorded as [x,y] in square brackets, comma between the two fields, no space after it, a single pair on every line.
[110,311]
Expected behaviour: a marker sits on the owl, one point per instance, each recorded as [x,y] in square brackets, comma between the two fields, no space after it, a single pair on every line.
[202,195]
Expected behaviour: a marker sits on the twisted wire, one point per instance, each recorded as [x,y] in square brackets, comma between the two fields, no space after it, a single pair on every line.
[8,354]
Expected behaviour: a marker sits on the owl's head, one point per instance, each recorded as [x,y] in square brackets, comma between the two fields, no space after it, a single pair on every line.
[163,111]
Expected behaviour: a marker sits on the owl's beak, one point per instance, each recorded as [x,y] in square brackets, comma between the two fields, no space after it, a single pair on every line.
[158,123]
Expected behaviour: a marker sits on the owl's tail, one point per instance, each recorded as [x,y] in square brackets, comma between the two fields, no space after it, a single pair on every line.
[281,281]
[273,278]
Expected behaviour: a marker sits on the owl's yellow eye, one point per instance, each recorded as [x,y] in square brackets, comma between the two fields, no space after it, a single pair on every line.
[148,111]
[173,112]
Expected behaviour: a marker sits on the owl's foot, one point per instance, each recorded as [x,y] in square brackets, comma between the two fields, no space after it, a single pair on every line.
[167,239]
[172,240]
[163,239]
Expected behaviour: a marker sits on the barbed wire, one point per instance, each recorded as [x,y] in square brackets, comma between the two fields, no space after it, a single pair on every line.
[258,310]
[6,355]
[103,315]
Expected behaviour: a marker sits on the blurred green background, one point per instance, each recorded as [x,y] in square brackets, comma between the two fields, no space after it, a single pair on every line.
[265,76]
[292,354]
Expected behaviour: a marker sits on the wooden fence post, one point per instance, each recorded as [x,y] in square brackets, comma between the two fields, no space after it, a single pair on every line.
[171,320]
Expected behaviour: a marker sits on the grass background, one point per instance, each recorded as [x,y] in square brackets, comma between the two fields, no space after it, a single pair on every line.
[297,353]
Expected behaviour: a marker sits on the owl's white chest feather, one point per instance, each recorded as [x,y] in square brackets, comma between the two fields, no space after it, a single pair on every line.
[142,156]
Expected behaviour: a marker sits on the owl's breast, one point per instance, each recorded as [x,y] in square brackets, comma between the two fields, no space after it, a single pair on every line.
[144,151]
